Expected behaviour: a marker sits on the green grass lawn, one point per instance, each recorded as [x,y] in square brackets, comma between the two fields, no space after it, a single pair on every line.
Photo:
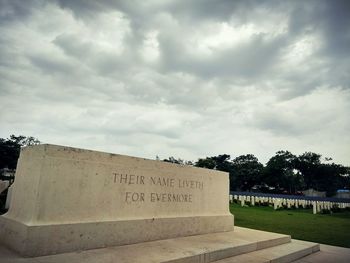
[332,229]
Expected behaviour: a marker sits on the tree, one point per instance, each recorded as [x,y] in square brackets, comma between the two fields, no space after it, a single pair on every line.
[172,159]
[284,171]
[24,141]
[220,162]
[10,149]
[208,163]
[308,163]
[330,178]
[246,172]
[280,172]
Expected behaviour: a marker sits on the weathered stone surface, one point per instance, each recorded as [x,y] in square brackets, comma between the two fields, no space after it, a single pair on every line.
[284,253]
[201,248]
[67,199]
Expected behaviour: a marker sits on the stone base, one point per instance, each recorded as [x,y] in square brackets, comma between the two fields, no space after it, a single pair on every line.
[39,240]
[240,245]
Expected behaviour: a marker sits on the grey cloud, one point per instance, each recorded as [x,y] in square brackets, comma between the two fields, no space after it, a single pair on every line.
[330,18]
[280,124]
[321,110]
[87,82]
[72,45]
[241,11]
[249,60]
[14,10]
[217,10]
[85,8]
[51,66]
[192,10]
[138,12]
[84,52]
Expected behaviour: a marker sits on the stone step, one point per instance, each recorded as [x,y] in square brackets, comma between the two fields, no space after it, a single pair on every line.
[289,252]
[199,249]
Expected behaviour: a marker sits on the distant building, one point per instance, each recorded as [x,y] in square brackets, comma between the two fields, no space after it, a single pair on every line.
[7,176]
[7,172]
[343,193]
[313,192]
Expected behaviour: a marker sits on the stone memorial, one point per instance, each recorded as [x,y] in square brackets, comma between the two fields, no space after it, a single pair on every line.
[67,199]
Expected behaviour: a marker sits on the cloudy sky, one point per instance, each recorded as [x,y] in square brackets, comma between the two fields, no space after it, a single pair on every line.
[178,78]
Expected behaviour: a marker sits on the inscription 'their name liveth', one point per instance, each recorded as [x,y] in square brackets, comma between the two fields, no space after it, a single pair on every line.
[131,179]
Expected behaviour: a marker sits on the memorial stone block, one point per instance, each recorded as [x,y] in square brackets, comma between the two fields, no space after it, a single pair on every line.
[67,199]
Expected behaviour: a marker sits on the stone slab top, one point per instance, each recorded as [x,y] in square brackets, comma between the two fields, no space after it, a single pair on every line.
[68,152]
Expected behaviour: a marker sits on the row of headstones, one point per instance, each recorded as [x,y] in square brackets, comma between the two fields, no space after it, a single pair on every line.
[317,206]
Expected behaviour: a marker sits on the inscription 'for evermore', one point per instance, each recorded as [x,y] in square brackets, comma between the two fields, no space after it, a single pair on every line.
[157,197]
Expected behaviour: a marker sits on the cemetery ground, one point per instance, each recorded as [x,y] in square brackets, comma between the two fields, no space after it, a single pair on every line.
[332,229]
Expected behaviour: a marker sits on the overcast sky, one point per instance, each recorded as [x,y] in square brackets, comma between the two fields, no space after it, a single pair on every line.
[178,78]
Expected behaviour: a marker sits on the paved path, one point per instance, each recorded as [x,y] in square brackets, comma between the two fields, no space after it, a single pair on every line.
[328,254]
[243,240]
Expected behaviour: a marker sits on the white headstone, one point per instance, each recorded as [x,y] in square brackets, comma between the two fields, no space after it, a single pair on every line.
[314,208]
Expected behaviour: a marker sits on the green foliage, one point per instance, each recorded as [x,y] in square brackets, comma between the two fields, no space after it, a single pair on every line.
[307,164]
[172,159]
[246,172]
[220,162]
[284,172]
[280,172]
[325,211]
[322,176]
[330,177]
[208,163]
[10,148]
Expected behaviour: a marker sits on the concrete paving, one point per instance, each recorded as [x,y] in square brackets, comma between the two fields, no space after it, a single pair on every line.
[200,248]
[288,252]
[241,245]
[329,254]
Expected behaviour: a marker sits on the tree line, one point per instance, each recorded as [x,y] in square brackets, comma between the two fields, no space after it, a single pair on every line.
[10,148]
[284,172]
